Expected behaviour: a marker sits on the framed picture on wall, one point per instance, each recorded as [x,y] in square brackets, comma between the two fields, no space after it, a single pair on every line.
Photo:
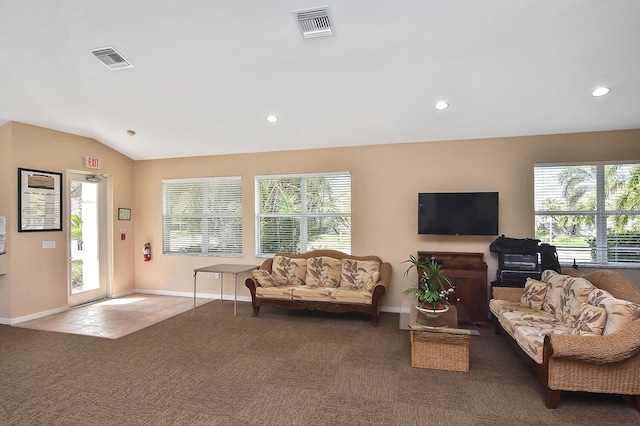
[124,214]
[39,201]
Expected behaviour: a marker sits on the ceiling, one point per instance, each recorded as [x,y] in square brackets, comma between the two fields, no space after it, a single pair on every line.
[207,73]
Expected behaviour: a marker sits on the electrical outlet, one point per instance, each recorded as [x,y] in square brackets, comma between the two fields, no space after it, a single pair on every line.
[48,244]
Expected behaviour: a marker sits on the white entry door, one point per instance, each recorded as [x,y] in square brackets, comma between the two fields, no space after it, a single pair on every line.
[87,236]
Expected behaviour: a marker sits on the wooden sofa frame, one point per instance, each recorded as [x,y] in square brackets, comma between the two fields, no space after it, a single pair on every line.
[372,309]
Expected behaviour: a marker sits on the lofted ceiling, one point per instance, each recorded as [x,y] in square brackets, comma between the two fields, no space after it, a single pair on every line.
[207,73]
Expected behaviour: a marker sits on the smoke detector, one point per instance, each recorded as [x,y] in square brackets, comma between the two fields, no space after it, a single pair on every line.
[314,22]
[111,58]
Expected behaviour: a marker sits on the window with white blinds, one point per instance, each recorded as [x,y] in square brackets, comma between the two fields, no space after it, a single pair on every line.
[202,216]
[590,212]
[298,213]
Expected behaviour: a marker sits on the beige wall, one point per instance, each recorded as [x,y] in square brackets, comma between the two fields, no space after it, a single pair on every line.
[385,182]
[37,280]
[6,206]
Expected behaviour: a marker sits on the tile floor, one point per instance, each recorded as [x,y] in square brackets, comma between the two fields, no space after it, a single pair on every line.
[113,318]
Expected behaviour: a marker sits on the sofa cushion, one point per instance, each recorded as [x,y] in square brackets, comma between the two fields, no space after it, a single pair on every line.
[323,272]
[264,278]
[289,270]
[575,292]
[371,282]
[530,318]
[279,292]
[356,274]
[498,306]
[531,339]
[565,296]
[351,296]
[311,293]
[534,292]
[553,301]
[591,321]
[619,312]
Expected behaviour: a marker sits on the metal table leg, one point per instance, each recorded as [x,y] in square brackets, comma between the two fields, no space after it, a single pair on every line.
[235,295]
[194,290]
[221,286]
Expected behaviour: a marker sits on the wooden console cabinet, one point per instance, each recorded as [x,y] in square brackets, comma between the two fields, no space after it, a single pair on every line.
[468,273]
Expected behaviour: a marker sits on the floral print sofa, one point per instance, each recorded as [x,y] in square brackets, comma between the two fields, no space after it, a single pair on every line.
[325,280]
[580,333]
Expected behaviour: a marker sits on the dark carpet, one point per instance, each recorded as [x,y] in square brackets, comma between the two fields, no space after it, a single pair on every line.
[282,368]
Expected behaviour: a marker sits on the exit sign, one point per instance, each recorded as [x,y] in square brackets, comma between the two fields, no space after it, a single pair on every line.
[92,163]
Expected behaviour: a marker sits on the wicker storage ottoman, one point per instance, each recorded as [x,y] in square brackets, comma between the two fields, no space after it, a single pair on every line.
[440,351]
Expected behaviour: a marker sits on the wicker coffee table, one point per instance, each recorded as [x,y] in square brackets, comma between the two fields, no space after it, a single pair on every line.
[438,343]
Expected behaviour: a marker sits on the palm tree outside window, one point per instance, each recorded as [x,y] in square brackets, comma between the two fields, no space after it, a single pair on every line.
[590,212]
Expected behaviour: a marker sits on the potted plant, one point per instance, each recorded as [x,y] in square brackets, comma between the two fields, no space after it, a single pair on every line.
[432,286]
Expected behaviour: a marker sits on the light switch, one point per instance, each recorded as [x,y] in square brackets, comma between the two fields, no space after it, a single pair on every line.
[48,244]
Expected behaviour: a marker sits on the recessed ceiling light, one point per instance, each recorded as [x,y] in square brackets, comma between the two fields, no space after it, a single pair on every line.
[441,105]
[131,132]
[272,119]
[600,91]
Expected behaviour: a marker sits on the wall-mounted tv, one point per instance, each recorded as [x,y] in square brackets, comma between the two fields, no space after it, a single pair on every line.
[458,213]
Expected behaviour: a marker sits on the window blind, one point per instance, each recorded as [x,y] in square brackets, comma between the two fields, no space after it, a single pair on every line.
[590,212]
[298,213]
[202,216]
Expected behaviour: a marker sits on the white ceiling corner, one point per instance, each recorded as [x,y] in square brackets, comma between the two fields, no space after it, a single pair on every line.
[208,73]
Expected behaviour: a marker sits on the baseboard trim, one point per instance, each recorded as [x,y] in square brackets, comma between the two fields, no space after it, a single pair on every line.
[18,320]
[390,309]
[121,294]
[9,321]
[190,294]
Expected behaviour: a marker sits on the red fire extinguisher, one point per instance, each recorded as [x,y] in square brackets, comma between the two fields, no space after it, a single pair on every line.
[146,252]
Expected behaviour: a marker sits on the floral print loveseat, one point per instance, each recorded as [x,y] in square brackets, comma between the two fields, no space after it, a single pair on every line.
[326,280]
[580,333]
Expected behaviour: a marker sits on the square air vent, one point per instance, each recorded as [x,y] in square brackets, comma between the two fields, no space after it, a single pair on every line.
[314,22]
[112,59]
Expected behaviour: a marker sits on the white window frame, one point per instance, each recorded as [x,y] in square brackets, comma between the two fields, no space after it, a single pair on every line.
[220,212]
[303,215]
[600,213]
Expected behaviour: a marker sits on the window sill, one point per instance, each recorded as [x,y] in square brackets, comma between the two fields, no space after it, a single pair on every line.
[633,266]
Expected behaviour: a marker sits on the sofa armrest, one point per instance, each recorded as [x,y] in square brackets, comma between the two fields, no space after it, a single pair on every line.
[385,276]
[251,283]
[510,294]
[597,349]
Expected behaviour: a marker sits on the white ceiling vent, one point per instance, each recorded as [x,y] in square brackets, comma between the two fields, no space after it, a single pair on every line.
[314,22]
[112,59]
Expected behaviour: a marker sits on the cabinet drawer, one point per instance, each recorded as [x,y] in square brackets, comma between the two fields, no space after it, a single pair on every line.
[465,273]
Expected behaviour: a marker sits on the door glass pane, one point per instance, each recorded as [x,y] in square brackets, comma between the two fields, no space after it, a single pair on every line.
[84,237]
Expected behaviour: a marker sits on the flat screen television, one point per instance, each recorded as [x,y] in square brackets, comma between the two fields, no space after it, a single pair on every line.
[458,213]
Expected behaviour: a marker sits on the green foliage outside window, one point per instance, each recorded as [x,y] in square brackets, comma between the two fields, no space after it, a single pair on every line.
[304,212]
[623,247]
[202,216]
[77,280]
[590,212]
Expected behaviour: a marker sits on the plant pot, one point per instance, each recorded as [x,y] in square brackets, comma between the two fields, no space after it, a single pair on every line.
[433,313]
